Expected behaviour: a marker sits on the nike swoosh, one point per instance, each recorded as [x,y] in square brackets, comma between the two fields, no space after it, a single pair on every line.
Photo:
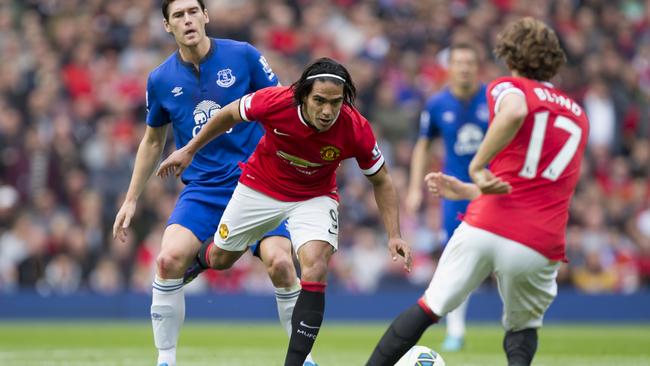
[275,130]
[302,323]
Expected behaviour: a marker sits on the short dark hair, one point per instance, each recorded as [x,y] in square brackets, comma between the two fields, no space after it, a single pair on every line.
[324,65]
[165,6]
[531,48]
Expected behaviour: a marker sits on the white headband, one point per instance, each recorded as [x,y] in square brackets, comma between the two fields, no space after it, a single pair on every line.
[326,76]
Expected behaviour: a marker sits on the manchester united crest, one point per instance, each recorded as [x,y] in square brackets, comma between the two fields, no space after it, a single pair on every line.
[223,231]
[329,153]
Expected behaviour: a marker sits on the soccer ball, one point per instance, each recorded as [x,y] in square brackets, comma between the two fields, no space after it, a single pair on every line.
[421,356]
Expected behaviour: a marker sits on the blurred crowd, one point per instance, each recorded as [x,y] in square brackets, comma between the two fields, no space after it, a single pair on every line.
[72,84]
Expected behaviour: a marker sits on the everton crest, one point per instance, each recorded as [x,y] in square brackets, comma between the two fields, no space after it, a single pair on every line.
[225,78]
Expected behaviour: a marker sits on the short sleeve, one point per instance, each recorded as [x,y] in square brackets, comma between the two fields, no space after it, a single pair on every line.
[428,123]
[368,154]
[262,75]
[254,106]
[499,89]
[156,115]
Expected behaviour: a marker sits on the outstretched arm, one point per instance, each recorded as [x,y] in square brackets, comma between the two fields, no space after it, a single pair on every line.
[386,198]
[449,187]
[221,122]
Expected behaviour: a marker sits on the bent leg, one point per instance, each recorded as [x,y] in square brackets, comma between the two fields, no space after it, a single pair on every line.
[221,259]
[248,216]
[179,246]
[308,314]
[313,225]
[527,286]
[402,334]
[465,263]
[276,254]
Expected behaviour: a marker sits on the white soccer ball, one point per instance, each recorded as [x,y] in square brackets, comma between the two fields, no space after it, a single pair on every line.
[421,356]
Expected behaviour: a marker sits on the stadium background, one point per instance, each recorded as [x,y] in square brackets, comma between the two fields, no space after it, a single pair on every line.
[72,83]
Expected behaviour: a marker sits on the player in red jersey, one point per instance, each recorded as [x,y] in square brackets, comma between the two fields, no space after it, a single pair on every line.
[310,128]
[515,226]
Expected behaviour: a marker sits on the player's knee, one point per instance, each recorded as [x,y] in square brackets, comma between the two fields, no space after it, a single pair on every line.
[315,271]
[281,270]
[170,265]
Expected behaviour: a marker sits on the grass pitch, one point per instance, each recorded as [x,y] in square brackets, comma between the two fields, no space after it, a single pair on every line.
[239,344]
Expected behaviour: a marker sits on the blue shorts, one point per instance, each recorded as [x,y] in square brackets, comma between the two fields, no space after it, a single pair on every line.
[199,209]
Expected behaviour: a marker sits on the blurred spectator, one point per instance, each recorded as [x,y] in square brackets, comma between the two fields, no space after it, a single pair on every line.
[63,275]
[72,79]
[362,265]
[106,278]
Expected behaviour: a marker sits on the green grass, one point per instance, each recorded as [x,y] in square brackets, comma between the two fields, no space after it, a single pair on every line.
[117,344]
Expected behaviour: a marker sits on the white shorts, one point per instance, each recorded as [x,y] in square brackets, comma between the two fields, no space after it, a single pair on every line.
[250,214]
[526,278]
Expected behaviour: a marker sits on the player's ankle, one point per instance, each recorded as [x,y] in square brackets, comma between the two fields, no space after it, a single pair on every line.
[520,346]
[167,356]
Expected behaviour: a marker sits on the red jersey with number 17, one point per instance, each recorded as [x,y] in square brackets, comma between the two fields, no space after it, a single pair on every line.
[542,163]
[295,162]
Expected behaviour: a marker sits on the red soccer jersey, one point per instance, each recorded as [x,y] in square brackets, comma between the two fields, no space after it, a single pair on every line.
[542,163]
[293,161]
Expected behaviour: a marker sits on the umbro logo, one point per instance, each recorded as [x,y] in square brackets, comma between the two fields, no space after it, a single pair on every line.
[177,91]
[275,131]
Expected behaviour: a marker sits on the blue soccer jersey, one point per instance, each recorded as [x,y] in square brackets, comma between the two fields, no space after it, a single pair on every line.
[179,94]
[461,124]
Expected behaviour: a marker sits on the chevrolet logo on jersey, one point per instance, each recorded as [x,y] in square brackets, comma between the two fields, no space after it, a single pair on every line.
[296,161]
[329,153]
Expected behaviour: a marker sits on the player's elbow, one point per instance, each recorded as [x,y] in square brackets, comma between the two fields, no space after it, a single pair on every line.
[154,139]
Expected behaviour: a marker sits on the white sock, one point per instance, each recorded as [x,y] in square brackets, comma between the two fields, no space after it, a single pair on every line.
[286,298]
[167,316]
[456,321]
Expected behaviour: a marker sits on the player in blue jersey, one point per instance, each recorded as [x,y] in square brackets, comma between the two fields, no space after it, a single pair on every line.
[458,116]
[185,91]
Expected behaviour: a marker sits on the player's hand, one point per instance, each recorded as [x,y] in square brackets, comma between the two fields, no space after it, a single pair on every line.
[413,201]
[175,163]
[488,183]
[446,186]
[123,220]
[398,246]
